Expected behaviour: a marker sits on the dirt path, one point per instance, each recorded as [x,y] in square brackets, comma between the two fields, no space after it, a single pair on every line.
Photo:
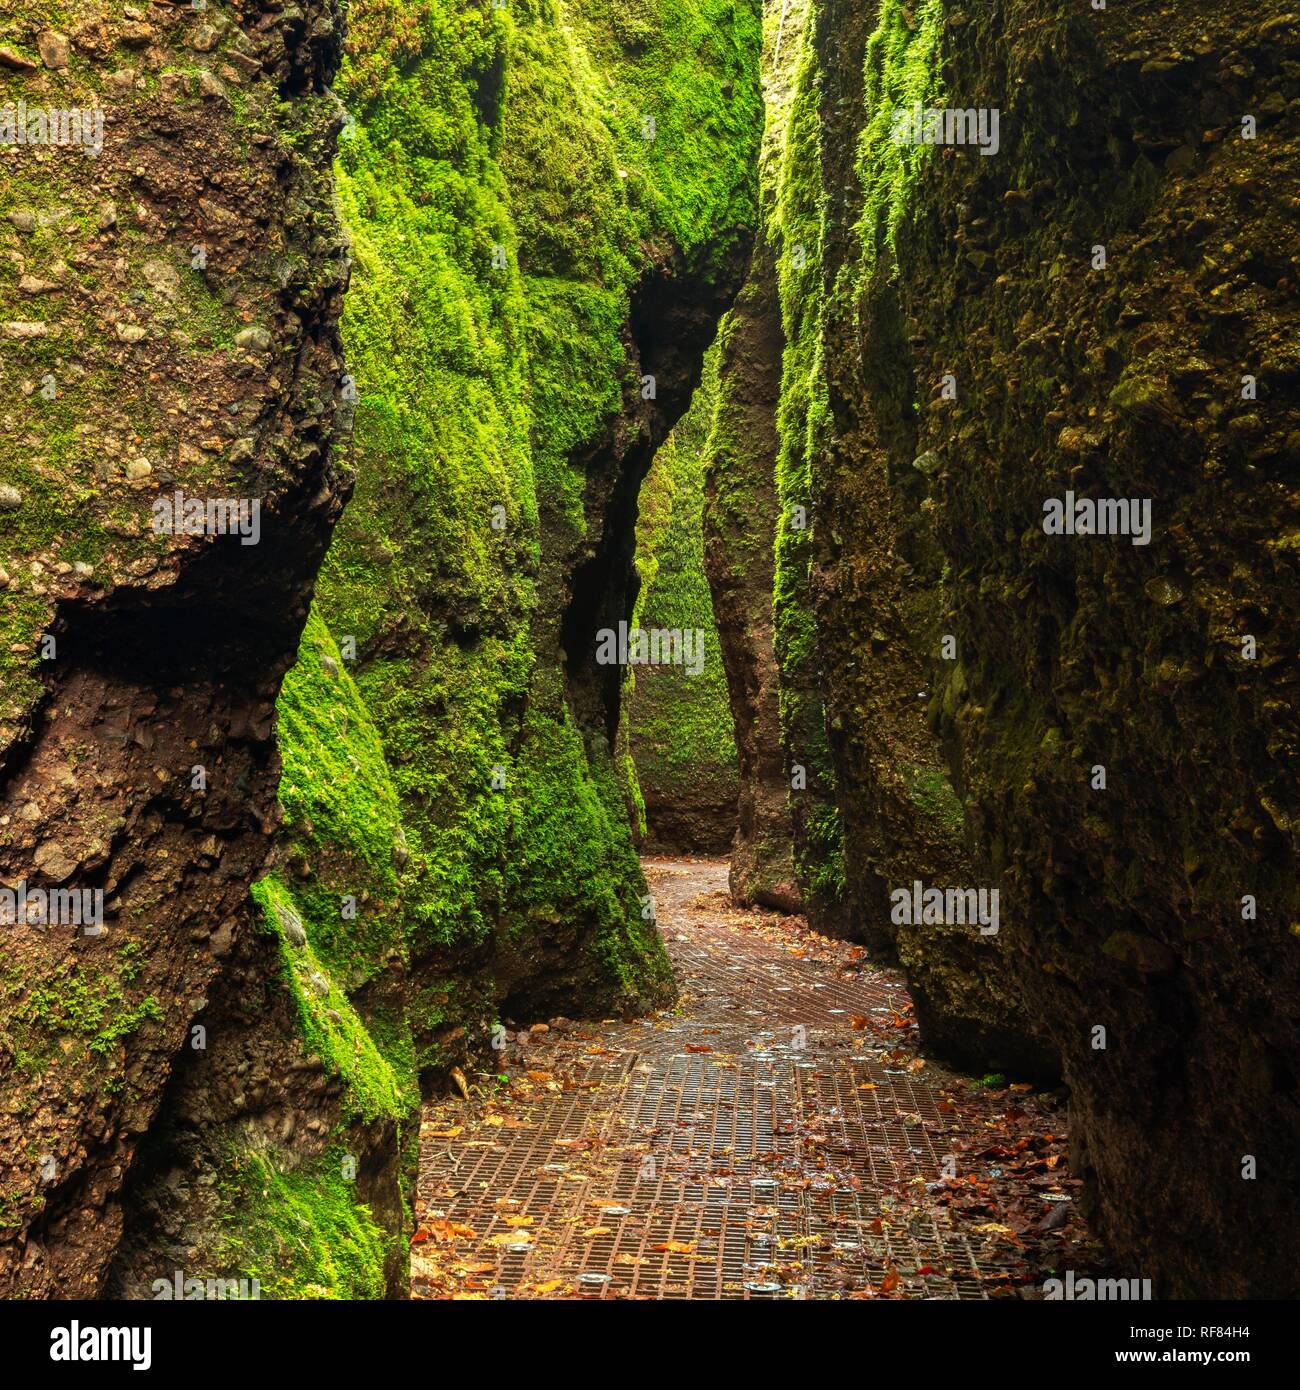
[774,1136]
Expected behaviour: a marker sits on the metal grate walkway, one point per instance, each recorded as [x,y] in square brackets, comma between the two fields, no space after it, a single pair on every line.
[774,1137]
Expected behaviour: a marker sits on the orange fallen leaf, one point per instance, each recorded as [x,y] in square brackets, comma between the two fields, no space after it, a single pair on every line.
[593,1231]
[890,1282]
[676,1247]
[510,1238]
[519,1220]
[549,1286]
[442,1229]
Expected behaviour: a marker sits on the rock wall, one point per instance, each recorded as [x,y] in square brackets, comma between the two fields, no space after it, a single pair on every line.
[1106,307]
[680,734]
[876,587]
[169,323]
[740,526]
[542,209]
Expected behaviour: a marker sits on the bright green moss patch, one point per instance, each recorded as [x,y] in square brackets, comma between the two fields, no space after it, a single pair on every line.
[681,733]
[335,778]
[331,1028]
[70,1008]
[302,1234]
[901,73]
[802,421]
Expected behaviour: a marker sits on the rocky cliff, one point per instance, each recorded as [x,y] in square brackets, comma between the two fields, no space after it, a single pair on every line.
[680,735]
[170,325]
[542,216]
[1102,307]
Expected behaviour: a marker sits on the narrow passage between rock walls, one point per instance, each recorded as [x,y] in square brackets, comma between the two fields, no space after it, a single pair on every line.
[775,1135]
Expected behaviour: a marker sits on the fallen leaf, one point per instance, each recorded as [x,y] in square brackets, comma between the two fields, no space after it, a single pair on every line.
[511,1238]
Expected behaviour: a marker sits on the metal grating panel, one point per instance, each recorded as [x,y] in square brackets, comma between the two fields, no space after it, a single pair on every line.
[766,1140]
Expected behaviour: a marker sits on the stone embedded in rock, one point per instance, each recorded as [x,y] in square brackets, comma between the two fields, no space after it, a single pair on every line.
[255,339]
[161,277]
[9,58]
[55,861]
[291,924]
[54,49]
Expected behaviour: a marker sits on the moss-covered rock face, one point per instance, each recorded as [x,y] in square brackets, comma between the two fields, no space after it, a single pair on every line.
[860,602]
[795,231]
[287,1153]
[679,716]
[740,520]
[546,211]
[1106,307]
[169,323]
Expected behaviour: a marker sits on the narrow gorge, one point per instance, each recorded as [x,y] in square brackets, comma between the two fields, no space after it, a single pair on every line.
[705,581]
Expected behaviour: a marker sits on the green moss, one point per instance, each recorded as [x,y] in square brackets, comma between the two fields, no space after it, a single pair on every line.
[901,72]
[802,421]
[302,1234]
[502,205]
[69,1009]
[931,791]
[681,733]
[331,1027]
